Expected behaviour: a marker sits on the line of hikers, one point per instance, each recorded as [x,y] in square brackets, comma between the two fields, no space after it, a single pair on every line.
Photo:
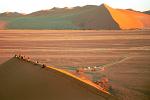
[21,57]
[104,83]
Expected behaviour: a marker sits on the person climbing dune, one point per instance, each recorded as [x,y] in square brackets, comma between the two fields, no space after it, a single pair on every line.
[43,66]
[15,56]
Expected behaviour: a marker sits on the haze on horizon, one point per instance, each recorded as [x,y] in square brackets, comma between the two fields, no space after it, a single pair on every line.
[28,6]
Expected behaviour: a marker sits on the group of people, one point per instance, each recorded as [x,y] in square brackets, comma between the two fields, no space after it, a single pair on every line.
[104,83]
[21,57]
[93,69]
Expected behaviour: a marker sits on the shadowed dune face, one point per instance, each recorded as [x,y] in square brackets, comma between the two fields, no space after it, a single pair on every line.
[3,24]
[21,80]
[97,18]
[147,12]
[61,11]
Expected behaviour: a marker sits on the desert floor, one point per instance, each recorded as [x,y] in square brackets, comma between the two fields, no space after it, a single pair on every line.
[125,55]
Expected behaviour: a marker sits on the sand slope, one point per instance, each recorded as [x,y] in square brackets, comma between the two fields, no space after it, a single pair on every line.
[21,80]
[97,18]
[128,19]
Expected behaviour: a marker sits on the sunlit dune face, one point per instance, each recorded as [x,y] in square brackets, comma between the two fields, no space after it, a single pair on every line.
[82,79]
[144,18]
[125,19]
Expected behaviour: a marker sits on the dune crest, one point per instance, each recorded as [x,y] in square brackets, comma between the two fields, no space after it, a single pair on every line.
[21,80]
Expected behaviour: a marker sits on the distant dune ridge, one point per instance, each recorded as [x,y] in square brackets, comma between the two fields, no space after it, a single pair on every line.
[11,14]
[88,17]
[147,12]
[22,80]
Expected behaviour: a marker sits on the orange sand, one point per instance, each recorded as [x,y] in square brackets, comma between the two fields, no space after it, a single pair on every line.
[129,19]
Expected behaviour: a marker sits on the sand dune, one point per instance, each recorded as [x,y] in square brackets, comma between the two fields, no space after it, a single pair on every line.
[147,12]
[11,14]
[128,19]
[97,18]
[22,80]
[88,17]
